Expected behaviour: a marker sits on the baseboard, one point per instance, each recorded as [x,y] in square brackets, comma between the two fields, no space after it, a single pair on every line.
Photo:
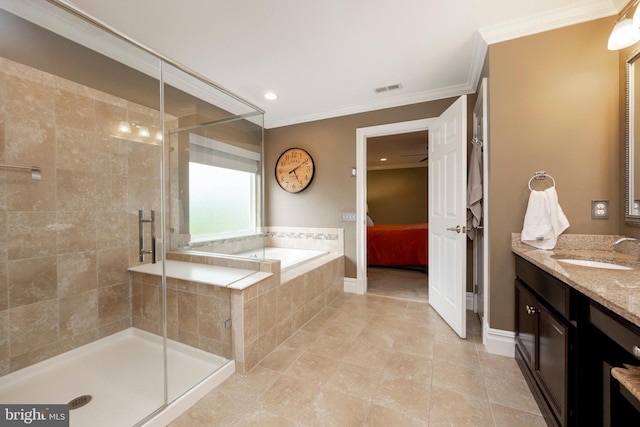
[497,341]
[470,299]
[353,286]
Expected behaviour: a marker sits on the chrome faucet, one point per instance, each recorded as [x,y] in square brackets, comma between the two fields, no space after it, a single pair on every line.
[625,239]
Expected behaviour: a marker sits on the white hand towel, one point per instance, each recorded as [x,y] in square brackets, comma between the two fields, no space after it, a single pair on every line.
[544,220]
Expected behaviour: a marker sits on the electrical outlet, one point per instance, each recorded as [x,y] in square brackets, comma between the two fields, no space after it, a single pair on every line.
[348,216]
[599,209]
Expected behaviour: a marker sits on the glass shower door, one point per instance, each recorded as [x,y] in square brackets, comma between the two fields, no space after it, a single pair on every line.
[84,106]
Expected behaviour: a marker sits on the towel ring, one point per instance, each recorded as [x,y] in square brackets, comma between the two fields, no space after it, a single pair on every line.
[541,175]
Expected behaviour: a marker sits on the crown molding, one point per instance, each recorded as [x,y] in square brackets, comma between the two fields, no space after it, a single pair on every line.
[390,102]
[550,20]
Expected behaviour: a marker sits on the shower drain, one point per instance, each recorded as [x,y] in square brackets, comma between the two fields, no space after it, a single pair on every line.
[79,402]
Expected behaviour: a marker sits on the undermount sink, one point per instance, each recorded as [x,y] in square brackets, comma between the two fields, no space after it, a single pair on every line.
[595,264]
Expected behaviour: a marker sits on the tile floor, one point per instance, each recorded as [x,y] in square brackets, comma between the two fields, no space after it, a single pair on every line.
[398,283]
[374,361]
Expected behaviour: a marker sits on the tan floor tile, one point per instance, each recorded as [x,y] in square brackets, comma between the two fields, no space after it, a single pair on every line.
[493,365]
[289,397]
[355,380]
[463,354]
[420,344]
[380,416]
[363,354]
[316,324]
[250,386]
[459,379]
[312,368]
[281,358]
[406,396]
[419,317]
[509,417]
[330,346]
[377,337]
[374,361]
[215,408]
[449,408]
[300,340]
[513,393]
[345,328]
[332,408]
[262,418]
[409,366]
[418,306]
[390,320]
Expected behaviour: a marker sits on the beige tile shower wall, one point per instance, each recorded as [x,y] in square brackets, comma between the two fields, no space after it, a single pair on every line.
[196,312]
[66,241]
[268,313]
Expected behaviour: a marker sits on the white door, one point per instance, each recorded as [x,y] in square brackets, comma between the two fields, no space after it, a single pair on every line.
[447,215]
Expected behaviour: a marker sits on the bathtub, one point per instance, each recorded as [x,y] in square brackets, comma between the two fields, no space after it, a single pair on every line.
[289,258]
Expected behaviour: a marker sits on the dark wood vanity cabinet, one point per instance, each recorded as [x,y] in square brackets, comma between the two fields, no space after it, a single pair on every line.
[546,341]
[566,346]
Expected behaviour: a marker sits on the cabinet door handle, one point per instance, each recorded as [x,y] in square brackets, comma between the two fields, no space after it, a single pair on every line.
[531,309]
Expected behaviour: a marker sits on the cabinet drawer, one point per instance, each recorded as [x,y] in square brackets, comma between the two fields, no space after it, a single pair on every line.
[554,292]
[623,332]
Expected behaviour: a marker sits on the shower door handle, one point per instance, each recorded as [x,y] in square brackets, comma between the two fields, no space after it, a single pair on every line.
[141,222]
[153,236]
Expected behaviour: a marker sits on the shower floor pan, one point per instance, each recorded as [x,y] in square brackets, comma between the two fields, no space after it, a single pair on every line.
[123,373]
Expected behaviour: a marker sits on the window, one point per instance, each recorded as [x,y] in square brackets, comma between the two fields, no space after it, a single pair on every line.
[222,190]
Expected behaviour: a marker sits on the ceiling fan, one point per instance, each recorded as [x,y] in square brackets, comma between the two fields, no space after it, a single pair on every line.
[424,155]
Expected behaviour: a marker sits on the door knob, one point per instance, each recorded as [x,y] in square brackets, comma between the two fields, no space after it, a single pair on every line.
[457,229]
[531,310]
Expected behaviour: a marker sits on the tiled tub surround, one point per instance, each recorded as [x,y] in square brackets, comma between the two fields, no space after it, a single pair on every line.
[268,313]
[267,306]
[67,240]
[617,290]
[324,239]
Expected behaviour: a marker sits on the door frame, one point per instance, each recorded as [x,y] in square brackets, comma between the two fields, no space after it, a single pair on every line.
[361,187]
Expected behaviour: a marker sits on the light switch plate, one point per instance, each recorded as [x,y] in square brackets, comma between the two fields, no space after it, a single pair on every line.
[348,216]
[599,209]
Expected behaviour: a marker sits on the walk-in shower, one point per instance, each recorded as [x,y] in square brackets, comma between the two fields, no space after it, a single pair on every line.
[116,137]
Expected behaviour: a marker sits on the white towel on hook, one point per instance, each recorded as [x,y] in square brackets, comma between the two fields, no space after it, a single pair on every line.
[544,220]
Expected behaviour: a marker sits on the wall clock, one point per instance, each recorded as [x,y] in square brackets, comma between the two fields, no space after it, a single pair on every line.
[294,170]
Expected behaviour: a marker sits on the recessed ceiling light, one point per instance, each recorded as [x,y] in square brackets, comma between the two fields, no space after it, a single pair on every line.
[384,159]
[271,96]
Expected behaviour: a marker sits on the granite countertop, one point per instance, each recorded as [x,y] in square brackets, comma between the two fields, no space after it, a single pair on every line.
[618,290]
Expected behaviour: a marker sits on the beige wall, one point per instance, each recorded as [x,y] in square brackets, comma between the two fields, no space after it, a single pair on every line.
[332,144]
[553,106]
[397,196]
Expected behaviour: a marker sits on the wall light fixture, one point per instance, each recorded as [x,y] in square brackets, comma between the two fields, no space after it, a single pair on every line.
[626,31]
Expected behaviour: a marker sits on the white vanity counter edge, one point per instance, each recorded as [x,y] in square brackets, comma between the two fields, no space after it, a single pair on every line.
[234,278]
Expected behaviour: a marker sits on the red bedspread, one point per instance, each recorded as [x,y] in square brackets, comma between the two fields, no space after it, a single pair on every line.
[397,245]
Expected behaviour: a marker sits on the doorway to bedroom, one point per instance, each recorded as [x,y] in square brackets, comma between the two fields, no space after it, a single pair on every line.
[397,212]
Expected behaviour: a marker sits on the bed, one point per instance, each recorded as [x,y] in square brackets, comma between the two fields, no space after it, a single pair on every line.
[397,245]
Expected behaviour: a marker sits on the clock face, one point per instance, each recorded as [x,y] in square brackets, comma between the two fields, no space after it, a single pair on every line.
[294,170]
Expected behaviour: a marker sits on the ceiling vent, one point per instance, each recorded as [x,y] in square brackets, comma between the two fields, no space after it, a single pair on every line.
[383,89]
